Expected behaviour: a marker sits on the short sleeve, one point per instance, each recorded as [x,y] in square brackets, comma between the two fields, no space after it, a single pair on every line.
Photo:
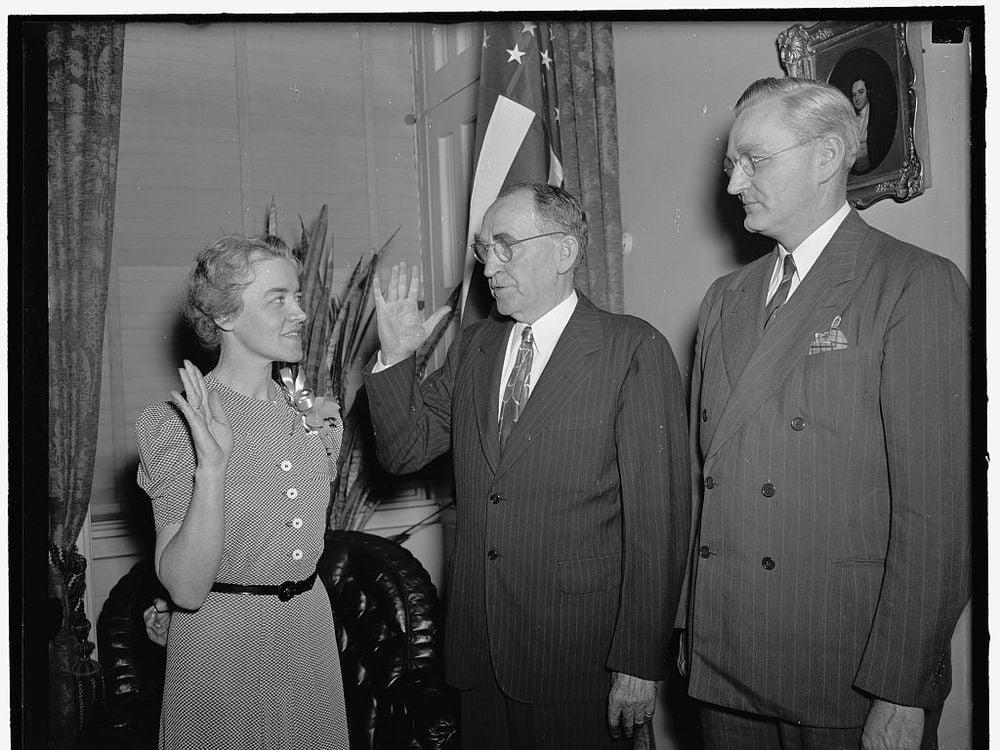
[166,463]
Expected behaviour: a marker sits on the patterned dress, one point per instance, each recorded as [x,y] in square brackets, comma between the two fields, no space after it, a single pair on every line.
[251,671]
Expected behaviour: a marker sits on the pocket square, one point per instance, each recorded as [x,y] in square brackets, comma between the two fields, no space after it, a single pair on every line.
[827,341]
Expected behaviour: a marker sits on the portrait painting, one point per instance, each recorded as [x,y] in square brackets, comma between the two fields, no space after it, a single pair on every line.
[870,64]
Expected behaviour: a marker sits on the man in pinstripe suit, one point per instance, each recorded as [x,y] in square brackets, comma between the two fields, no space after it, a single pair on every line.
[573,520]
[830,438]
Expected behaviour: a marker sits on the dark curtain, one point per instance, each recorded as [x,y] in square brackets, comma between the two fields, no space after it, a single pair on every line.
[588,117]
[84,107]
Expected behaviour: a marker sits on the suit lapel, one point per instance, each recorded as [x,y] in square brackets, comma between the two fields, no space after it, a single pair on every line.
[560,379]
[822,296]
[486,388]
[743,317]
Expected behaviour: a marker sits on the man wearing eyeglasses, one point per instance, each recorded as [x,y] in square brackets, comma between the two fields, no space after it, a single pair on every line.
[569,444]
[830,443]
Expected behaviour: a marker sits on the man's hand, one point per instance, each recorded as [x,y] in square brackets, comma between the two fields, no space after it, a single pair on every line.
[892,727]
[401,325]
[631,703]
[157,619]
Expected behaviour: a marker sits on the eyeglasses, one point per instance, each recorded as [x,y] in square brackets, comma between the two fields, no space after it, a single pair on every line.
[503,248]
[748,162]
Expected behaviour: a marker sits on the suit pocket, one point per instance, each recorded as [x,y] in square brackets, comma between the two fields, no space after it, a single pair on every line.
[838,387]
[588,575]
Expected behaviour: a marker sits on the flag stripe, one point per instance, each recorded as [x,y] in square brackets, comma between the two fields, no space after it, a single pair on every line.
[517,129]
[505,133]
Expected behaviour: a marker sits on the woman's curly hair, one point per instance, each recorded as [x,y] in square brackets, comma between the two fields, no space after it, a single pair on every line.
[221,272]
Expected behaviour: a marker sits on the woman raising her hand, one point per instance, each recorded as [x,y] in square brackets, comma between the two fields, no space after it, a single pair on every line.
[238,469]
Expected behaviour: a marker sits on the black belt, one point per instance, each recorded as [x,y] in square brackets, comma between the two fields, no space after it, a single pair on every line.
[284,592]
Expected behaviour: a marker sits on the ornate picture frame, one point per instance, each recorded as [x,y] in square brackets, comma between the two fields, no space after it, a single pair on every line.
[870,63]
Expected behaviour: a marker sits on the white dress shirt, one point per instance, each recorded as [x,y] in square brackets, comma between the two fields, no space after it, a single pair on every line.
[805,254]
[545,332]
[863,125]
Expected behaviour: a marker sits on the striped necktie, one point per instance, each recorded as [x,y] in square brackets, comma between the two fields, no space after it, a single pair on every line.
[516,393]
[781,294]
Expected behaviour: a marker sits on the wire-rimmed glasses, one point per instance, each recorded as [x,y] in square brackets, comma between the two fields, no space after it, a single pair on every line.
[748,162]
[502,247]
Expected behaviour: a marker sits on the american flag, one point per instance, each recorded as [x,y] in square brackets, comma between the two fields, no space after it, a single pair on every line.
[517,123]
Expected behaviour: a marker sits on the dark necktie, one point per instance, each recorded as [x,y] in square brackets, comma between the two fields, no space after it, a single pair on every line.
[781,294]
[516,392]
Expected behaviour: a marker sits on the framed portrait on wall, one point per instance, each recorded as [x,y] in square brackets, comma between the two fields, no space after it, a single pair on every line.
[870,63]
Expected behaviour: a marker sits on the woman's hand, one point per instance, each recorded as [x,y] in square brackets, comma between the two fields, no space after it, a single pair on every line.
[202,408]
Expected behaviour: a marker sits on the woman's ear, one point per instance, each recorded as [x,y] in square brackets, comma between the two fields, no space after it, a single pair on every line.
[224,324]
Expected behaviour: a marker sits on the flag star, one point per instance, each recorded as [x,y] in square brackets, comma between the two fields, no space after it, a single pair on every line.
[486,39]
[528,28]
[546,60]
[515,55]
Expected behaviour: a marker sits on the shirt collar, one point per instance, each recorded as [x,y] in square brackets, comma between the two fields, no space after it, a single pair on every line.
[547,329]
[808,251]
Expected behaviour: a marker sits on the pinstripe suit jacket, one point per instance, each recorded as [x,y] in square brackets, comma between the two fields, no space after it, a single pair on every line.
[587,510]
[832,559]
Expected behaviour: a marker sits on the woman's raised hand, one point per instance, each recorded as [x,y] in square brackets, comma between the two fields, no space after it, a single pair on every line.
[210,428]
[401,325]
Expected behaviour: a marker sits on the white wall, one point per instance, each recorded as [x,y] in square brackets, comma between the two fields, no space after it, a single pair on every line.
[676,84]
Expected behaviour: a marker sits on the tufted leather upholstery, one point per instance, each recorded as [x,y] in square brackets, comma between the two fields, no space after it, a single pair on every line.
[132,665]
[388,624]
[388,629]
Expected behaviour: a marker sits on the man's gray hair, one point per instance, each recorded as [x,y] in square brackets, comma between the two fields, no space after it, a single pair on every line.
[809,108]
[558,208]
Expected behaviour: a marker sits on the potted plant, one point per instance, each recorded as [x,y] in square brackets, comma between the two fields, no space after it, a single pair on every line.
[337,344]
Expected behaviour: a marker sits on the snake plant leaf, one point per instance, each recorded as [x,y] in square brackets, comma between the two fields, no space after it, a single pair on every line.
[272,218]
[338,341]
[313,284]
[427,349]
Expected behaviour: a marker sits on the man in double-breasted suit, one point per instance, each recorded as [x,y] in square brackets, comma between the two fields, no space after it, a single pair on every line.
[568,436]
[830,434]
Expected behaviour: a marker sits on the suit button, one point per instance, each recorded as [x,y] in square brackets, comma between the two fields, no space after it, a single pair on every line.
[704,415]
[767,490]
[496,498]
[492,554]
[767,563]
[709,483]
[704,552]
[798,424]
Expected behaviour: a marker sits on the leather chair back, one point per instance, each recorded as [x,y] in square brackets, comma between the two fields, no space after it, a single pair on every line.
[388,624]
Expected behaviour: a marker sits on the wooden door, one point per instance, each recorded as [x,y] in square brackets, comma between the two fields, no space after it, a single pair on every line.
[446,71]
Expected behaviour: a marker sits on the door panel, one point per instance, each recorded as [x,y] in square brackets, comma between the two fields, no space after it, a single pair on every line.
[446,60]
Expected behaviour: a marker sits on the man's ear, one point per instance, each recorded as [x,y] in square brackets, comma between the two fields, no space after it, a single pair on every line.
[832,153]
[569,249]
